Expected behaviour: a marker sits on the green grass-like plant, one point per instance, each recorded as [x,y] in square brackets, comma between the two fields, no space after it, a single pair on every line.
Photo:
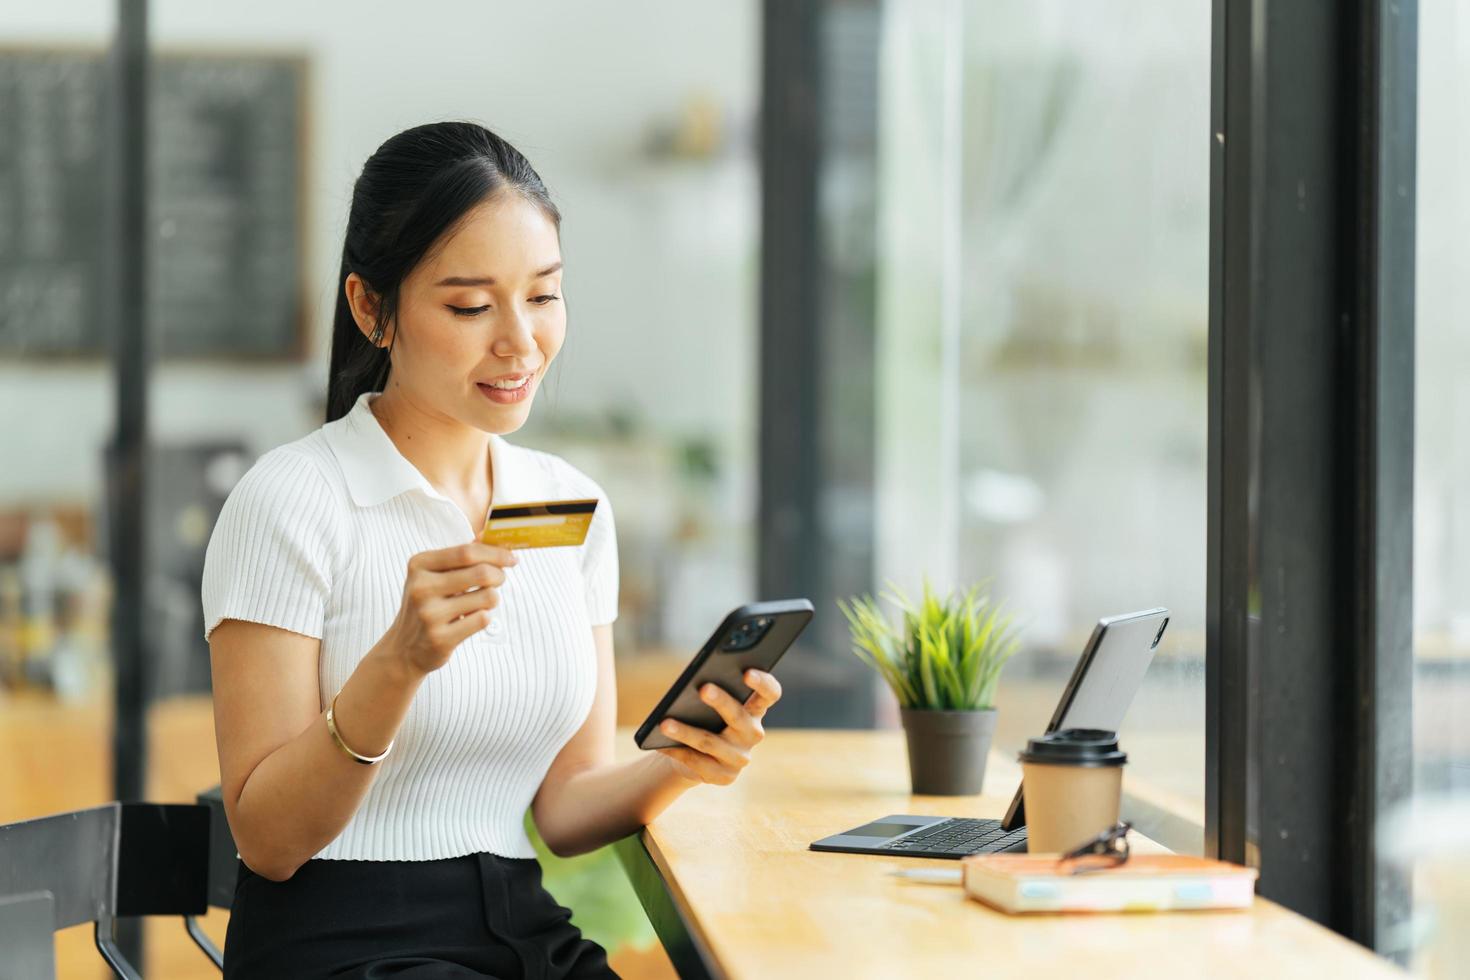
[946,654]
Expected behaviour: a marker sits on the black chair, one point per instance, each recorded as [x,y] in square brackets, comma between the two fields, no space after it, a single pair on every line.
[95,865]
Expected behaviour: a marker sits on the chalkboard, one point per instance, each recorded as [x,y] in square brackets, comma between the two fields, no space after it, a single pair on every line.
[224,177]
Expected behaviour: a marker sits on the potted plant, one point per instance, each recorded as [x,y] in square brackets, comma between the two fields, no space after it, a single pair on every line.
[942,663]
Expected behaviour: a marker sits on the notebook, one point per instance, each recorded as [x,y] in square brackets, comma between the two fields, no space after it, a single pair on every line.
[1144,883]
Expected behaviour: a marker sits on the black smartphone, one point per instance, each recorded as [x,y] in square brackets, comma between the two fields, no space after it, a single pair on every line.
[753,636]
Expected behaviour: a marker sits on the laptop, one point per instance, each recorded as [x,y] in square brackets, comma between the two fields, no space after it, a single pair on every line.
[1101,688]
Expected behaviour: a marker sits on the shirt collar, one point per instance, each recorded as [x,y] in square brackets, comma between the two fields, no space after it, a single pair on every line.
[376,471]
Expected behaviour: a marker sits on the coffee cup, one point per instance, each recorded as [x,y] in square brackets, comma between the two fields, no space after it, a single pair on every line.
[1072,784]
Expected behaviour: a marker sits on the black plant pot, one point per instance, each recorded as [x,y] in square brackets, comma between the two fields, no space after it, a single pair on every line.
[948,749]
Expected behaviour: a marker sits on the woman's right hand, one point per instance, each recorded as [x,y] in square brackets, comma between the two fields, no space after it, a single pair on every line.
[447,596]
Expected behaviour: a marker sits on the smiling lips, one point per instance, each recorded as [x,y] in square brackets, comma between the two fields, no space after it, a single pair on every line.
[507,391]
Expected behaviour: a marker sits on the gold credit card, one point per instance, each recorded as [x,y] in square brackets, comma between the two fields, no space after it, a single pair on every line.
[544,524]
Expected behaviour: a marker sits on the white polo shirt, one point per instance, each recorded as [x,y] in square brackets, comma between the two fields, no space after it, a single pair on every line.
[316,537]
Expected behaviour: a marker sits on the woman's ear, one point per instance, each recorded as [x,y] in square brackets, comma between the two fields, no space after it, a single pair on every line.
[364,305]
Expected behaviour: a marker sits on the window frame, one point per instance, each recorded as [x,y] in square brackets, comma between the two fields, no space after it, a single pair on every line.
[1311,405]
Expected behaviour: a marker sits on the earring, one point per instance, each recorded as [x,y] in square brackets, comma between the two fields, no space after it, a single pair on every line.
[377,334]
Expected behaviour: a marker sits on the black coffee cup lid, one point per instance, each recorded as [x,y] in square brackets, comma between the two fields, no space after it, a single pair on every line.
[1075,747]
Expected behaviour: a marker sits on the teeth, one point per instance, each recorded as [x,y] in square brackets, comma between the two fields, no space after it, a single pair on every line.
[510,385]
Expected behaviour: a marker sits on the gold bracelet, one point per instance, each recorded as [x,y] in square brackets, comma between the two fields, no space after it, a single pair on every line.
[366,760]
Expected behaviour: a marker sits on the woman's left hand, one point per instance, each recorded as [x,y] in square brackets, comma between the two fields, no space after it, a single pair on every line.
[718,757]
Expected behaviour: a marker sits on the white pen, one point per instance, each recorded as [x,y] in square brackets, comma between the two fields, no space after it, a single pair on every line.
[937,876]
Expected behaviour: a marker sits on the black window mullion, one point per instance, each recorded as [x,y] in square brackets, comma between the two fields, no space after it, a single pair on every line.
[1311,425]
[1380,400]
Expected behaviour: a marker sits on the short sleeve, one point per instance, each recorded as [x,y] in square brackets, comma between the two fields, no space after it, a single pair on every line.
[270,555]
[600,562]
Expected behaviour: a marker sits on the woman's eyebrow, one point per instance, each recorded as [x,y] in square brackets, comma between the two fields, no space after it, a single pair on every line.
[490,280]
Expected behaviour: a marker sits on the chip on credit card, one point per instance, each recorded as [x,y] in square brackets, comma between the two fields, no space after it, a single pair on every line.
[543,524]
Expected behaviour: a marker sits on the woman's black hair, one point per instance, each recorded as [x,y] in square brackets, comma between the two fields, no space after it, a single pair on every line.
[413,189]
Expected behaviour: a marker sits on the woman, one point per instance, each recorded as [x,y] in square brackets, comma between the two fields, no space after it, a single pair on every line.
[390,694]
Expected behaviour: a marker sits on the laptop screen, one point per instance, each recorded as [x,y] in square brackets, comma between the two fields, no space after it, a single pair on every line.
[1102,686]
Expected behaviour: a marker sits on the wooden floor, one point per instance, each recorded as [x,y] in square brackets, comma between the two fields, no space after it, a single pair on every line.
[56,757]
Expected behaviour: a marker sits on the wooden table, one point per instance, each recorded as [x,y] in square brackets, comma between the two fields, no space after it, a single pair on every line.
[728,881]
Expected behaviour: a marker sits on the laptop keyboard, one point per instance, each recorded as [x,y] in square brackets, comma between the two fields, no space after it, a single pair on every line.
[957,837]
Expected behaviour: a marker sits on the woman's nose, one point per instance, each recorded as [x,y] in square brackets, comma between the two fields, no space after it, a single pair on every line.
[513,336]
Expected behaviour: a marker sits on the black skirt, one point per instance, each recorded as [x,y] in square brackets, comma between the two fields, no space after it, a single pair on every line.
[480,915]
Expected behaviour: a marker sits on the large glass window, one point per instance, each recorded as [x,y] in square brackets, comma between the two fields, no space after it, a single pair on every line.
[1436,837]
[1442,405]
[1046,189]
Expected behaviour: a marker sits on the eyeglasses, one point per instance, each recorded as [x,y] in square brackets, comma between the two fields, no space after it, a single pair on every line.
[1107,850]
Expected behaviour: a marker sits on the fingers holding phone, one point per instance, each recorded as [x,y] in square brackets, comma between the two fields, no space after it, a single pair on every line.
[711,717]
[718,758]
[765,691]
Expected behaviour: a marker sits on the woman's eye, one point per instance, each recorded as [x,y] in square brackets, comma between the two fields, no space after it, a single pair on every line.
[469,310]
[543,300]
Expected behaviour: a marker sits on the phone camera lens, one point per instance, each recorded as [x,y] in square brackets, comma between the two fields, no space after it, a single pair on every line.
[748,634]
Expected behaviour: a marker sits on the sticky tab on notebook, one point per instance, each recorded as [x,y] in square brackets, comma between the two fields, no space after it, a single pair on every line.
[543,524]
